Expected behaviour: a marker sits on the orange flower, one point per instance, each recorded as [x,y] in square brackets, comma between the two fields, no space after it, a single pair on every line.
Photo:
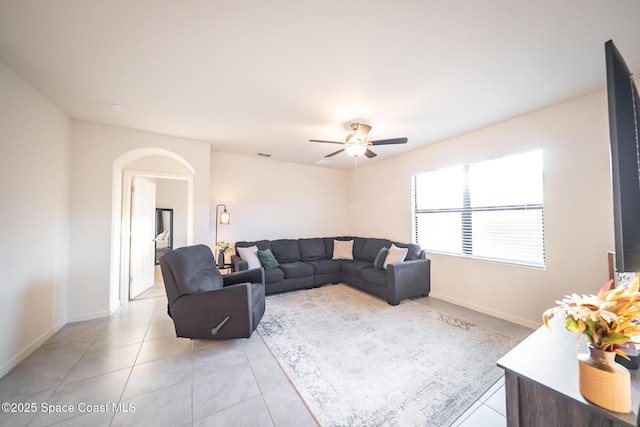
[609,320]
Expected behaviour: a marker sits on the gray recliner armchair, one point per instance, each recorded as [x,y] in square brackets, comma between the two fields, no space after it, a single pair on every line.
[205,304]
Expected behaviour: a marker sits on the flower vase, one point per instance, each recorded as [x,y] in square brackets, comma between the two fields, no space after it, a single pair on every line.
[603,381]
[220,260]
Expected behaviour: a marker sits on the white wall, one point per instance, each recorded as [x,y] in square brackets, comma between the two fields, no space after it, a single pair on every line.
[578,211]
[35,147]
[268,199]
[95,149]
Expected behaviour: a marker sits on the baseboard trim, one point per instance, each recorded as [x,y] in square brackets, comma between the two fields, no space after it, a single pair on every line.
[24,353]
[89,316]
[485,310]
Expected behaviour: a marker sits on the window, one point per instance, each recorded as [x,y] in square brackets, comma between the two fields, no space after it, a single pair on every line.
[491,209]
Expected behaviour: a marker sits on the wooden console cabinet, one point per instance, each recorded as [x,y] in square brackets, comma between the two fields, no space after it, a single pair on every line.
[541,383]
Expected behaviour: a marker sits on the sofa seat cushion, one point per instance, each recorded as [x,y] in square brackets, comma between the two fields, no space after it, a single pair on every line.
[375,276]
[353,268]
[273,275]
[325,266]
[293,270]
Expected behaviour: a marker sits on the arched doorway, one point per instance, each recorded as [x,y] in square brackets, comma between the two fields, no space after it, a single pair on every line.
[150,163]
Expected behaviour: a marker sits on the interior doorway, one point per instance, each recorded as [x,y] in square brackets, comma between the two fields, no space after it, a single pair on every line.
[170,190]
[183,223]
[150,162]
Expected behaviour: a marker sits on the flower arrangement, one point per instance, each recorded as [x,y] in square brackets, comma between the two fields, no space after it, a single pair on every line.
[223,246]
[609,320]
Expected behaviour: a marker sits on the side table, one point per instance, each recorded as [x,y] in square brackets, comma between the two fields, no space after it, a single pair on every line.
[541,384]
[226,269]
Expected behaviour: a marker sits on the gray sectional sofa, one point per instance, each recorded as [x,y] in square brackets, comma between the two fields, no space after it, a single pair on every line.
[308,263]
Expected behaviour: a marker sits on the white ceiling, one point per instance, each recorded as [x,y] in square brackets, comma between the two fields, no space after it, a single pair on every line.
[267,76]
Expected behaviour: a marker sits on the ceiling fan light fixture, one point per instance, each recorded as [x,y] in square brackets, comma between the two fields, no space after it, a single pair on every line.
[355,150]
[356,143]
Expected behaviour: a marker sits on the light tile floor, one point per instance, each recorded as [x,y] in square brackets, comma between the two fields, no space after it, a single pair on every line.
[130,369]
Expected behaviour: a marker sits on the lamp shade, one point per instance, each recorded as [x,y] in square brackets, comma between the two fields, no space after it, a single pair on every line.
[362,131]
[224,217]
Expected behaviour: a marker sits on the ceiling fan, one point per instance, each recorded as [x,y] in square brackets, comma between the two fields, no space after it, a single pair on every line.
[356,143]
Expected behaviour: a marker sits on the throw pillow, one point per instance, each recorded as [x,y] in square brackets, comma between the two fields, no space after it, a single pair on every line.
[250,255]
[378,263]
[396,254]
[342,249]
[268,260]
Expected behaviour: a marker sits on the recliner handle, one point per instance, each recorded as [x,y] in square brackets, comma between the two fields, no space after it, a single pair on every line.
[215,330]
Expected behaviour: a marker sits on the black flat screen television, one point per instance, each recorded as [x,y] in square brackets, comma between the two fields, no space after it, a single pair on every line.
[624,112]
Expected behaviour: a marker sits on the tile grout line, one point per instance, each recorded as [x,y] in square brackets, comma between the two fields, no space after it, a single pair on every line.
[71,370]
[134,363]
[259,387]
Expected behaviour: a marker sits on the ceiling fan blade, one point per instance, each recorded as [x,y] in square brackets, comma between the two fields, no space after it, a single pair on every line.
[370,154]
[334,153]
[389,141]
[328,142]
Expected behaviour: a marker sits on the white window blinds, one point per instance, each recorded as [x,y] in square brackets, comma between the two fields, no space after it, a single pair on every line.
[491,209]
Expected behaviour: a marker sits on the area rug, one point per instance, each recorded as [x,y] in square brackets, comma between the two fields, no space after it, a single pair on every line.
[358,361]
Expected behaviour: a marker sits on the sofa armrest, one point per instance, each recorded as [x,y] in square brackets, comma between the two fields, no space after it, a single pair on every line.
[255,275]
[195,315]
[408,279]
[238,264]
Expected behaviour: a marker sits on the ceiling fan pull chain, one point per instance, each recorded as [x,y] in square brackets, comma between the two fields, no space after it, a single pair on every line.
[356,159]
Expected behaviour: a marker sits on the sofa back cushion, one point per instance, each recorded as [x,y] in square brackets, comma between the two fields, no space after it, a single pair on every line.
[328,246]
[372,247]
[311,249]
[286,250]
[262,245]
[358,248]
